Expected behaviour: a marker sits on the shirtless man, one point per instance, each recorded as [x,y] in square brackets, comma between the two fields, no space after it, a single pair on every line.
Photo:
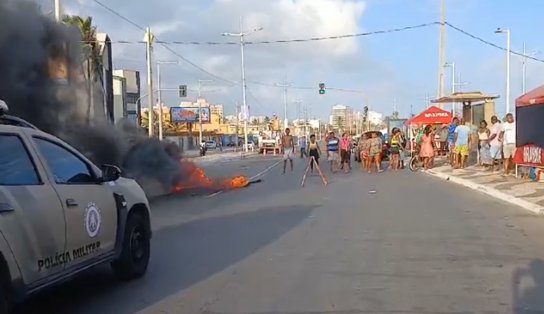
[288,147]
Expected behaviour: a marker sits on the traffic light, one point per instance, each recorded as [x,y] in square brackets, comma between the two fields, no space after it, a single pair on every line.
[183,91]
[321,88]
[365,111]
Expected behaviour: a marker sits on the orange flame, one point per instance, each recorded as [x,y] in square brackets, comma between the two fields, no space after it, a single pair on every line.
[195,177]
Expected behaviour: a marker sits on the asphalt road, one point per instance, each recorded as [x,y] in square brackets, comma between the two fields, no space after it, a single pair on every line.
[388,243]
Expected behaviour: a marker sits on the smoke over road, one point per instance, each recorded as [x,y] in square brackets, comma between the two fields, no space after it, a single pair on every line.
[34,49]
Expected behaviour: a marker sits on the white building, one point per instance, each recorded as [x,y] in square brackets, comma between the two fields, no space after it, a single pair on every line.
[133,101]
[341,117]
[375,117]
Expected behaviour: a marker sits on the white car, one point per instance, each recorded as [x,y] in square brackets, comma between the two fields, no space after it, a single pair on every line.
[211,145]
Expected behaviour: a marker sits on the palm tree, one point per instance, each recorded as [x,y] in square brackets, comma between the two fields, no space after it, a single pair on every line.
[92,63]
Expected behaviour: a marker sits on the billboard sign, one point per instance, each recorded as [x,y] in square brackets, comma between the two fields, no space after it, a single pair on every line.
[189,114]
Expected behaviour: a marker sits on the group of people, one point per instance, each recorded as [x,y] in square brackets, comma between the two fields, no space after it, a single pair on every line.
[494,144]
[339,151]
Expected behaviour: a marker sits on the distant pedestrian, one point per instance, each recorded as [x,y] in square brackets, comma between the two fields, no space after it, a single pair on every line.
[314,151]
[426,151]
[495,142]
[345,152]
[364,151]
[303,152]
[462,144]
[395,149]
[483,143]
[375,152]
[333,147]
[451,140]
[508,136]
[288,147]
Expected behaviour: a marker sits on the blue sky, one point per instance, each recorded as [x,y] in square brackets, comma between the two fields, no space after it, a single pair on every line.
[401,66]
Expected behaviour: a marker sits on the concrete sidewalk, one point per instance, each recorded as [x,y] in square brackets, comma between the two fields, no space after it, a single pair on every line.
[521,192]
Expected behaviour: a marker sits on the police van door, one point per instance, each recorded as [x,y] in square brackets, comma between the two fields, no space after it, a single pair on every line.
[31,214]
[90,209]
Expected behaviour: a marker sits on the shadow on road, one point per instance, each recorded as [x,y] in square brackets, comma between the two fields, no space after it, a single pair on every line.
[528,298]
[182,255]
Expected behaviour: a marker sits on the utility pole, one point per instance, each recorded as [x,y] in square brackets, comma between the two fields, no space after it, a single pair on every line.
[149,52]
[245,109]
[58,11]
[237,122]
[200,108]
[285,85]
[524,69]
[442,50]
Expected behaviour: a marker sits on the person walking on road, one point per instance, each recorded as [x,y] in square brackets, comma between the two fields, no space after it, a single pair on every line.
[508,136]
[395,149]
[462,144]
[364,151]
[483,142]
[426,151]
[495,142]
[345,152]
[333,146]
[375,152]
[451,140]
[288,147]
[303,152]
[314,151]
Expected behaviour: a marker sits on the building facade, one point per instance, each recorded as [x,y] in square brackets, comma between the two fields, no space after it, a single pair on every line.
[119,98]
[133,94]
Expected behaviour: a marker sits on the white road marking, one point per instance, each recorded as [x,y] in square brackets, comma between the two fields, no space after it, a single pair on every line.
[251,178]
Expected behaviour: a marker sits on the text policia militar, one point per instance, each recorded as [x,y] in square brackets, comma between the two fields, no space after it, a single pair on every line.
[60,259]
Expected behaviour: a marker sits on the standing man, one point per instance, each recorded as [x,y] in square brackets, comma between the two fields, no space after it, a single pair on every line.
[333,146]
[508,136]
[303,152]
[288,147]
[495,143]
[451,140]
[462,144]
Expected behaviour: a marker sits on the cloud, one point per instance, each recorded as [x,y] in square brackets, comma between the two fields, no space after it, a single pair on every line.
[340,63]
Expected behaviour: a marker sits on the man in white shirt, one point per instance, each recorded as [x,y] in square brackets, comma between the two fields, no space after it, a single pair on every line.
[495,142]
[508,136]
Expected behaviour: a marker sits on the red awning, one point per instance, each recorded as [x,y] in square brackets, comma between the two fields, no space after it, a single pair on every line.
[534,97]
[433,115]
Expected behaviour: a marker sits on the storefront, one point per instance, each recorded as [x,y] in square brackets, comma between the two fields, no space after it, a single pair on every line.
[529,133]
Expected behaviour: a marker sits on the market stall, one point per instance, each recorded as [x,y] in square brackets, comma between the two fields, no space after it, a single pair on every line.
[433,116]
[529,132]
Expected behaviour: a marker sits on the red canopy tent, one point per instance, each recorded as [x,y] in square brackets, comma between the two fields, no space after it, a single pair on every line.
[433,115]
[529,134]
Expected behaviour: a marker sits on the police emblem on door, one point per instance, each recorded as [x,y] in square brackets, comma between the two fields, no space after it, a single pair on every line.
[93,220]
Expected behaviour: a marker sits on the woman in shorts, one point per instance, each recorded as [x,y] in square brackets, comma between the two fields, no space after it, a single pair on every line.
[395,149]
[375,152]
[313,151]
[364,150]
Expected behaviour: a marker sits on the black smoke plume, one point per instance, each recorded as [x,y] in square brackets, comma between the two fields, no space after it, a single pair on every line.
[32,47]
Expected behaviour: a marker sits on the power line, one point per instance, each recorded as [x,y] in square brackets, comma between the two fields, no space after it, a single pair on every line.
[283,41]
[162,43]
[492,44]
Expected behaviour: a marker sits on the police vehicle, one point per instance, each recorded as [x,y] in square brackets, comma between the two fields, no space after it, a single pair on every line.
[60,215]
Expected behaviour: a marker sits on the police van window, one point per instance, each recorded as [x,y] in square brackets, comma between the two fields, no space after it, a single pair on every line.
[16,167]
[66,167]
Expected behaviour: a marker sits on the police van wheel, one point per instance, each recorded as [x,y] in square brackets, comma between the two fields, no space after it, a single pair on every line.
[136,249]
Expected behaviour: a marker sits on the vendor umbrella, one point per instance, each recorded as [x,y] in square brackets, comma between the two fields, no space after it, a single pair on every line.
[433,115]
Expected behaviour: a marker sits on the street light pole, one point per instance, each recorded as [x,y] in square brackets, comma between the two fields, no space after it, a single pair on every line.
[159,95]
[452,66]
[149,53]
[244,98]
[507,32]
[57,11]
[200,108]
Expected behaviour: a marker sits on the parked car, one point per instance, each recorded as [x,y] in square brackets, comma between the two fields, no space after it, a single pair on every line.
[62,215]
[385,146]
[211,145]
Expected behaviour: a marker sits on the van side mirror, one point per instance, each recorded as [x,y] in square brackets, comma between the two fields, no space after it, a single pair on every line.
[110,173]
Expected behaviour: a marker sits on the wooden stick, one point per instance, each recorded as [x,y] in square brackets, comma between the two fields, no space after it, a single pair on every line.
[320,172]
[306,172]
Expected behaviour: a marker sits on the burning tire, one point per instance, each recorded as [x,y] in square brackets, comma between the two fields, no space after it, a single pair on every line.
[134,258]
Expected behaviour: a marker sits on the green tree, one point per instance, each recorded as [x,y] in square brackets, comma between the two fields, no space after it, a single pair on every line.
[266,120]
[91,59]
[255,122]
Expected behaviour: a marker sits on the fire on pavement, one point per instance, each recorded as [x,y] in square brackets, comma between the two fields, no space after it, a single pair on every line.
[195,177]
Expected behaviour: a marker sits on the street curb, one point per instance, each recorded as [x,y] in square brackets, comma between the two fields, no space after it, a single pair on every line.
[532,207]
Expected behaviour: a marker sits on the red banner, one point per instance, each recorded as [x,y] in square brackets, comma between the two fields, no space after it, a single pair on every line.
[530,155]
